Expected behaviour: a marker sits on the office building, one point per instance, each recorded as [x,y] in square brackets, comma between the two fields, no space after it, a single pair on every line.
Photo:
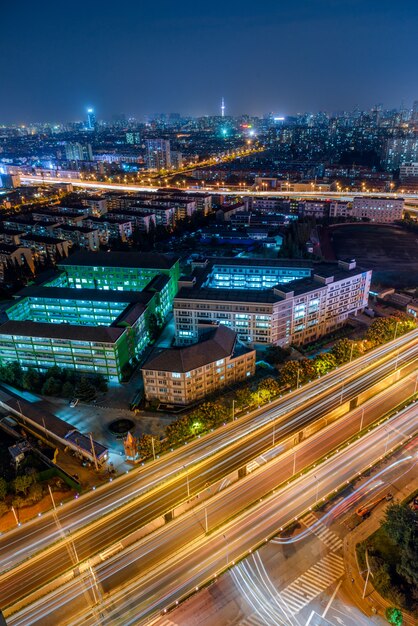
[158,154]
[98,325]
[376,209]
[274,303]
[181,376]
[120,271]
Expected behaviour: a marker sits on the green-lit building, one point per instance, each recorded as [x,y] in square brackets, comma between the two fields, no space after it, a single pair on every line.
[121,271]
[91,318]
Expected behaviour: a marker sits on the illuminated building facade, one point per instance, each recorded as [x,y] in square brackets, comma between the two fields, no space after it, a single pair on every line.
[277,305]
[100,325]
[181,376]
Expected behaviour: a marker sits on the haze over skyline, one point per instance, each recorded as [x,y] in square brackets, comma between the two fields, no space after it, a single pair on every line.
[142,58]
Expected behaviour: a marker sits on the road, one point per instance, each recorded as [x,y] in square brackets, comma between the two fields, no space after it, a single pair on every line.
[22,542]
[231,455]
[224,191]
[311,579]
[203,541]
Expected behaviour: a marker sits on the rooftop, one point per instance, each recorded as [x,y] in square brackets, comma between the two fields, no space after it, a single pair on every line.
[144,260]
[218,343]
[99,334]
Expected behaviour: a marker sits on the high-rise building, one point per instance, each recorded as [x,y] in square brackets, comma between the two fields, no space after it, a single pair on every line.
[75,151]
[158,154]
[133,138]
[222,108]
[401,150]
[91,119]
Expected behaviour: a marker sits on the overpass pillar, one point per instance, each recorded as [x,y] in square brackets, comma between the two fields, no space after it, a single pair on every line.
[353,403]
[242,472]
[169,516]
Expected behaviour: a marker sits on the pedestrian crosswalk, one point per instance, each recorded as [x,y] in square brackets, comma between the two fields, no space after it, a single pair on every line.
[330,539]
[313,582]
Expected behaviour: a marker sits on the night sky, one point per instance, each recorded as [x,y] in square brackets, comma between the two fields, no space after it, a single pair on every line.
[139,57]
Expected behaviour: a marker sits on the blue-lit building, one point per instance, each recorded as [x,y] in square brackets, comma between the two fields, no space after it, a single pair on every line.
[270,302]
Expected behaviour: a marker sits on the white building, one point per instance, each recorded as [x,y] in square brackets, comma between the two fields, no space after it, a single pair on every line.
[263,306]
[377,209]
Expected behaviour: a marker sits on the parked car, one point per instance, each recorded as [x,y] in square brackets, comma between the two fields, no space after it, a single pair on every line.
[74,402]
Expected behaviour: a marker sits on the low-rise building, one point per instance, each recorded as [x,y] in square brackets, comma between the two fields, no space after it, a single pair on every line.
[377,209]
[181,376]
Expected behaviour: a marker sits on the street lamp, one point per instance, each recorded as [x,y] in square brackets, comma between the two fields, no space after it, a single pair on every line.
[227,550]
[187,481]
[317,488]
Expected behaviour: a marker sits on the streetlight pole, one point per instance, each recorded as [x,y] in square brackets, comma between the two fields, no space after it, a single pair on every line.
[361,421]
[153,447]
[52,497]
[233,410]
[16,518]
[206,520]
[93,451]
[387,439]
[317,488]
[187,481]
[227,551]
[368,574]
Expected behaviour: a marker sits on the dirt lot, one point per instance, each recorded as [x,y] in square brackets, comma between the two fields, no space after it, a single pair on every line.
[390,251]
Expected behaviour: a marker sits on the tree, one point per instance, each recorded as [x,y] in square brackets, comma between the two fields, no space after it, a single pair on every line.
[276,354]
[154,326]
[268,388]
[394,616]
[67,390]
[145,446]
[3,488]
[32,380]
[85,390]
[52,387]
[290,373]
[22,483]
[243,398]
[345,349]
[324,363]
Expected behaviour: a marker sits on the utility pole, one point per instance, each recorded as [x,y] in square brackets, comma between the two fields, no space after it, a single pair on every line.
[93,451]
[361,422]
[153,447]
[368,574]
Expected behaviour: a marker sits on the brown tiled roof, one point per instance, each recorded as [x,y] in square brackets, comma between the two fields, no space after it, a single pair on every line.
[218,344]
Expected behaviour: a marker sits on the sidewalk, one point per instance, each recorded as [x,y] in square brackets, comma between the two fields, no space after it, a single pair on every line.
[373,605]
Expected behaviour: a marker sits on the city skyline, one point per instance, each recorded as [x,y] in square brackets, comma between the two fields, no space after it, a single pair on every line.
[286,59]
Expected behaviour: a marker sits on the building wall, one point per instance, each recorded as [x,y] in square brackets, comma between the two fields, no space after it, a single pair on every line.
[382,210]
[187,387]
[295,319]
[43,353]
